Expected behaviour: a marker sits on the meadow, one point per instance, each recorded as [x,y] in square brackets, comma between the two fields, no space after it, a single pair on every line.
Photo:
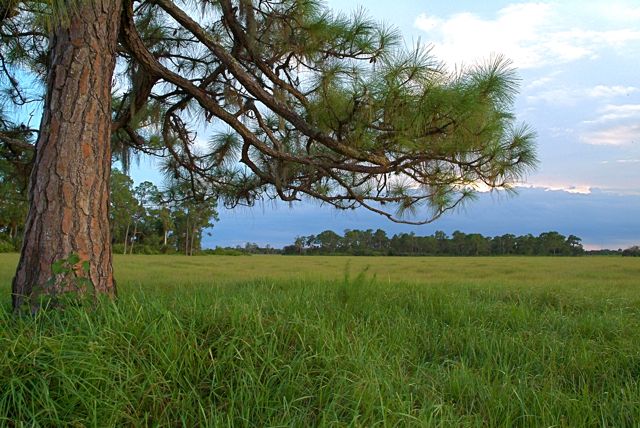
[333,341]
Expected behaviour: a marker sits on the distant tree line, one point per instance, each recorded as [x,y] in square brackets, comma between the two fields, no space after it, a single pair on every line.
[143,218]
[374,243]
[632,251]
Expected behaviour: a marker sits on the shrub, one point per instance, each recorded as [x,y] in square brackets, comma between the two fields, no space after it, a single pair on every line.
[7,247]
[117,248]
[219,251]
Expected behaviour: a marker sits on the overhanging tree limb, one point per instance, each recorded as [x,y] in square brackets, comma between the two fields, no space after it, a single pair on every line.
[435,149]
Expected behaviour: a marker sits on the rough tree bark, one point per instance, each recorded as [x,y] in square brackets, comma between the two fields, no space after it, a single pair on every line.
[69,193]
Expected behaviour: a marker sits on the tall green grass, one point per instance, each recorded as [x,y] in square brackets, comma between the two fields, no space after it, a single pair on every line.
[204,342]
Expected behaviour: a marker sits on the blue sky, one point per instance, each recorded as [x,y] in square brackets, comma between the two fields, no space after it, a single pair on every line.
[580,67]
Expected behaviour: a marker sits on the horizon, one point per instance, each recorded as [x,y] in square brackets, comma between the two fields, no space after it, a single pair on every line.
[257,225]
[390,235]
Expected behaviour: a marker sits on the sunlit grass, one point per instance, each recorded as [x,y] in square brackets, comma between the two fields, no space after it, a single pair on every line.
[295,341]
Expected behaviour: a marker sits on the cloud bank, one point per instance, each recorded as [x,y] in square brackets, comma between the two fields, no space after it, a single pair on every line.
[533,34]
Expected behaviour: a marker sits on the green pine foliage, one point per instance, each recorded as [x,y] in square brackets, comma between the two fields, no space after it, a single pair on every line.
[298,101]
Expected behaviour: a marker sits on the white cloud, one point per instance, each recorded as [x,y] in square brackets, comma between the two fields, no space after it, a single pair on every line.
[532,34]
[619,12]
[603,91]
[582,189]
[623,111]
[616,125]
[540,82]
[622,161]
[615,136]
[616,112]
[427,23]
[561,132]
[558,96]
[562,95]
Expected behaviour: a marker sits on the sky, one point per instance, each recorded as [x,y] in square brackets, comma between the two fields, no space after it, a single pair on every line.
[579,64]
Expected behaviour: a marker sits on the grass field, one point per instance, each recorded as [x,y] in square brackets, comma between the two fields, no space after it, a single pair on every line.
[334,341]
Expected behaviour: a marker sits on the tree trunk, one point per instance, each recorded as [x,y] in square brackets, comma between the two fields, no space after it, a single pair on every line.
[193,240]
[133,237]
[126,239]
[186,241]
[69,186]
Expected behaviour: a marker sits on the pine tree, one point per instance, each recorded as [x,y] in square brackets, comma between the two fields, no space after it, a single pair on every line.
[302,102]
